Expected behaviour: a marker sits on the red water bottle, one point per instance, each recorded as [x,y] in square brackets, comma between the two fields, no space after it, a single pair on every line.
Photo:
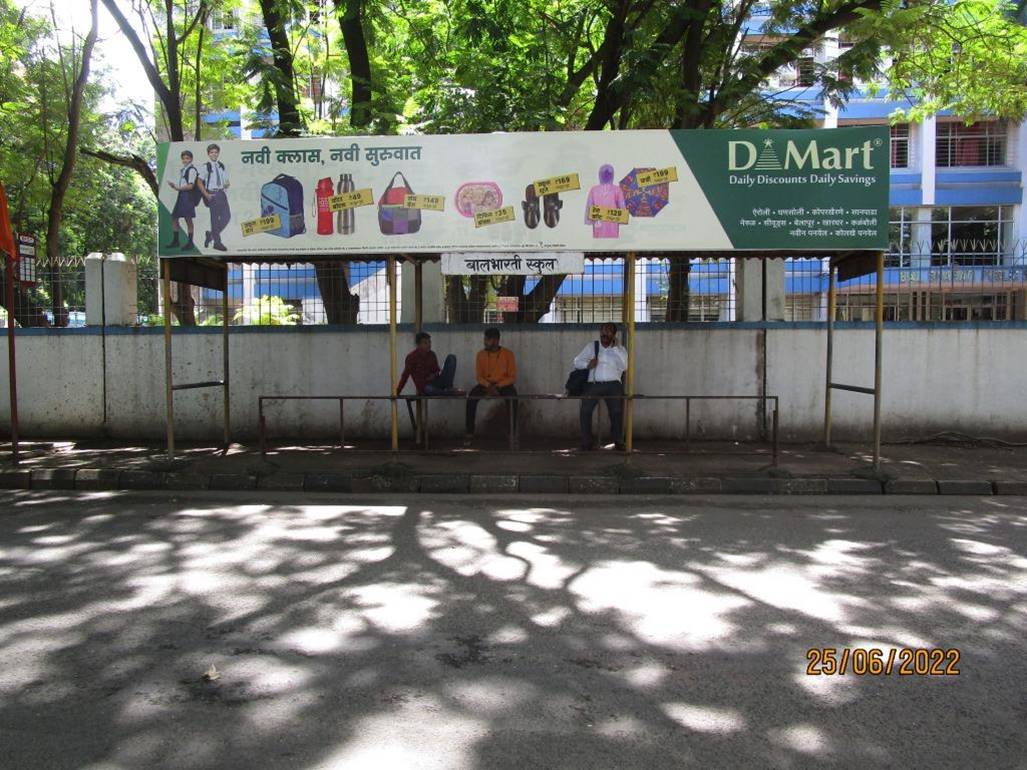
[325,190]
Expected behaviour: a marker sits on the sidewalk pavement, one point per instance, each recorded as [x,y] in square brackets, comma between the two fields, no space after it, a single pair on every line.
[949,465]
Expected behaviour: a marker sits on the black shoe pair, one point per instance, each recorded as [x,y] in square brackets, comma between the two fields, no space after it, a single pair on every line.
[551,205]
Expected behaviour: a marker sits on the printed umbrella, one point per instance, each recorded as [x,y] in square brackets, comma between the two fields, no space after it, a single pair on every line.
[644,201]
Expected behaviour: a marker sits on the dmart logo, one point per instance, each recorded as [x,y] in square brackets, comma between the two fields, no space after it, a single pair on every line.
[799,156]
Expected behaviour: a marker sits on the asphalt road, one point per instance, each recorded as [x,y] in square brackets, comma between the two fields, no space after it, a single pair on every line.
[474,632]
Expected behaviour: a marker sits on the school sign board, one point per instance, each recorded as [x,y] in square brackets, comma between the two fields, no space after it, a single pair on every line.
[601,191]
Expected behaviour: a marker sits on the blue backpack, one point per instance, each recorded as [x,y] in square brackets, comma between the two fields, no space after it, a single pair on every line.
[283,196]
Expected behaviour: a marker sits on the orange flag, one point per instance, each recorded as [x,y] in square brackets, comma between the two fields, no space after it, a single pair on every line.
[6,233]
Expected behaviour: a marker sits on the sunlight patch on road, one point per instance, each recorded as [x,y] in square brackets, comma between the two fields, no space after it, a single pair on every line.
[661,606]
[803,738]
[705,719]
[446,739]
[393,607]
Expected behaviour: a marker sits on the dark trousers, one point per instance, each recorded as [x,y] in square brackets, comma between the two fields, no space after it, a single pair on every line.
[443,380]
[219,214]
[476,393]
[614,405]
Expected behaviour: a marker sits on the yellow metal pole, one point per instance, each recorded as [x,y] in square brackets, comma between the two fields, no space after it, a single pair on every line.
[830,352]
[391,275]
[168,393]
[418,295]
[878,350]
[419,433]
[629,294]
[224,346]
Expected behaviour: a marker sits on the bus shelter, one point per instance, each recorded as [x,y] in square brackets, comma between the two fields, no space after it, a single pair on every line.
[762,194]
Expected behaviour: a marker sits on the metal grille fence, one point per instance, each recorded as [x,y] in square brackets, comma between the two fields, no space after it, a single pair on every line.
[945,283]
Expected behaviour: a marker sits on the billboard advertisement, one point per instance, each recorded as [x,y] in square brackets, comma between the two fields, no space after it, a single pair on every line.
[601,191]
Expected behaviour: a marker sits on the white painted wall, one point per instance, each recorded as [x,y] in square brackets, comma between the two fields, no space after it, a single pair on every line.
[935,379]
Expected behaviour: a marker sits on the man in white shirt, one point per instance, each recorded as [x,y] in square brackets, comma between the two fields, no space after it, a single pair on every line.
[603,382]
[213,181]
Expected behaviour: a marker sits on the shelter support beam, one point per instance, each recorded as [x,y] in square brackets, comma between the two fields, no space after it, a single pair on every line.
[169,396]
[875,391]
[220,282]
[419,432]
[878,359]
[224,362]
[394,403]
[831,299]
[629,304]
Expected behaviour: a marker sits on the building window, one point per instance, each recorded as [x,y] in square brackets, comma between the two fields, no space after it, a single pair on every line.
[899,237]
[954,235]
[222,20]
[970,235]
[806,72]
[982,144]
[900,145]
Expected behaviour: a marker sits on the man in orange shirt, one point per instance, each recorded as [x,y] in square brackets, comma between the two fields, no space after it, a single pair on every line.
[496,371]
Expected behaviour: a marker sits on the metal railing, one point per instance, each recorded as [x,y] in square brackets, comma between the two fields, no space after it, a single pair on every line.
[422,430]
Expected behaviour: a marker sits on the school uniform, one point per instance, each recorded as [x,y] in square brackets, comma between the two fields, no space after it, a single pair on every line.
[185,208]
[215,177]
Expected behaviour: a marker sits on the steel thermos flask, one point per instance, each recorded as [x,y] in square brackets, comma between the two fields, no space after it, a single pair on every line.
[346,218]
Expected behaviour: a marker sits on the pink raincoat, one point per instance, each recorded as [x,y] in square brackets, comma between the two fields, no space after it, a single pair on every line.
[608,195]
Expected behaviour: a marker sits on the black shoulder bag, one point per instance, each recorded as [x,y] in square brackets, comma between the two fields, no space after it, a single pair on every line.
[578,378]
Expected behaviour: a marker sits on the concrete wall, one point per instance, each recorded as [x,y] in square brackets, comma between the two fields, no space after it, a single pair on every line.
[954,378]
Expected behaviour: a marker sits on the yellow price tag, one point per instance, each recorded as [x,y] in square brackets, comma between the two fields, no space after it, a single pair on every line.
[261,225]
[557,184]
[351,200]
[659,176]
[427,202]
[483,218]
[620,216]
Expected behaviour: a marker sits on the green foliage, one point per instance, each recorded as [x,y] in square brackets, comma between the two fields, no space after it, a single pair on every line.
[107,208]
[267,311]
[969,57]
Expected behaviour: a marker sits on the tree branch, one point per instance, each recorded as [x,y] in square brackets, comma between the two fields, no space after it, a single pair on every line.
[134,162]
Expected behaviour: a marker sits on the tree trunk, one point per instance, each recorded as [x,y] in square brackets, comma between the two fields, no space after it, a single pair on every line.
[341,306]
[290,123]
[466,307]
[60,186]
[351,23]
[677,293]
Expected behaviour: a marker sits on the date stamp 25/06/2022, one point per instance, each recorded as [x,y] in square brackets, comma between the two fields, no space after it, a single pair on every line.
[874,661]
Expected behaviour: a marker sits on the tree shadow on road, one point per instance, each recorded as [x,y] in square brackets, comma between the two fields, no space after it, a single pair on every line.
[412,632]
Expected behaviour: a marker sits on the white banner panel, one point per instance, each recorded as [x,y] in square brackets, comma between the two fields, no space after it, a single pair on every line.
[589,191]
[513,263]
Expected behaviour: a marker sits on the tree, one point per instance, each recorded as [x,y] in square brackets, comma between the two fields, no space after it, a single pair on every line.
[59,184]
[341,305]
[169,47]
[969,57]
